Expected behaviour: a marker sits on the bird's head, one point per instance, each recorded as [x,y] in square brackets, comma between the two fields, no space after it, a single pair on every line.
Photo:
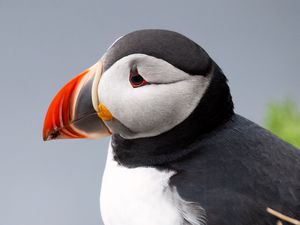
[147,83]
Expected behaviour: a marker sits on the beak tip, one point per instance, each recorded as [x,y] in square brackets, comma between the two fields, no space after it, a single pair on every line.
[45,135]
[46,138]
[50,135]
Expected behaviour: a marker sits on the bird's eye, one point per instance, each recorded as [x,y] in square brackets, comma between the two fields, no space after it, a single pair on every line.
[136,80]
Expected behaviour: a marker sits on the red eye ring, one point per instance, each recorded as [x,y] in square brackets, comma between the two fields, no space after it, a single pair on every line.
[136,80]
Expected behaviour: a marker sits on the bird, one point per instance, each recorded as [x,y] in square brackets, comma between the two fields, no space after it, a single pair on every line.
[178,153]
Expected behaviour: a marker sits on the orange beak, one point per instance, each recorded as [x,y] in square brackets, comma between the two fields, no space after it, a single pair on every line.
[73,113]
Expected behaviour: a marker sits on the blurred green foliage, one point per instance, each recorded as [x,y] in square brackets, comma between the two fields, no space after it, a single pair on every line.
[283,119]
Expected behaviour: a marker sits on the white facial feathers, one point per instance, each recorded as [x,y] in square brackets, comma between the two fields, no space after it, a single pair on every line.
[152,109]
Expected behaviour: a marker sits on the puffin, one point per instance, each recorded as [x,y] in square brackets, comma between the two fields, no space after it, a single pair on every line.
[178,153]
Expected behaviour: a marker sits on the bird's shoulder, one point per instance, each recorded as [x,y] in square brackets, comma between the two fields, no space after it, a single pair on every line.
[241,164]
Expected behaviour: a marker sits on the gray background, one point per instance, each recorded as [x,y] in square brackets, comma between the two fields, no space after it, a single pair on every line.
[43,44]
